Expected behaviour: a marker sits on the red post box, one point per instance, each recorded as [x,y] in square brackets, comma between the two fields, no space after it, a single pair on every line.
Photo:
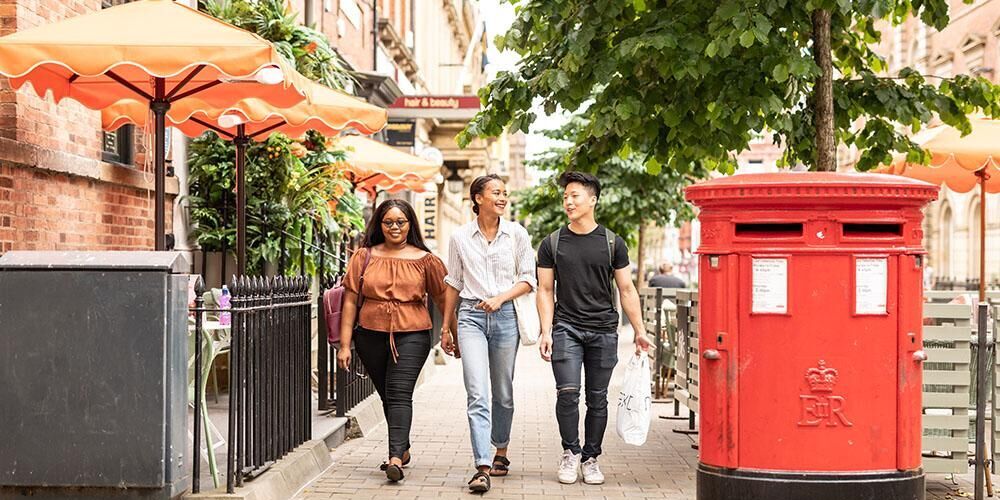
[810,310]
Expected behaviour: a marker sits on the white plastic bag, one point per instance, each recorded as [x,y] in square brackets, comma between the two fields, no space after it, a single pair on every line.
[635,401]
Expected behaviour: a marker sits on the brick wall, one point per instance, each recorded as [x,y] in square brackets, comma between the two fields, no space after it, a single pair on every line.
[353,42]
[55,192]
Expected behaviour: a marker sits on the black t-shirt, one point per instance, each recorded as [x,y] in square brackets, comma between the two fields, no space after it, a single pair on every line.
[584,278]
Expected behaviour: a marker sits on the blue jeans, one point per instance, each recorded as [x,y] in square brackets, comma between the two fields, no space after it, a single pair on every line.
[596,353]
[488,343]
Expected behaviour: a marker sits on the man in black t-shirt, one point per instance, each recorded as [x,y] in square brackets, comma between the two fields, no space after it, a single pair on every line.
[583,263]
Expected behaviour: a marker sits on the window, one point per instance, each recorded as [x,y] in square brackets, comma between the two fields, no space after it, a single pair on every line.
[973,52]
[944,254]
[352,12]
[942,65]
[974,238]
[117,146]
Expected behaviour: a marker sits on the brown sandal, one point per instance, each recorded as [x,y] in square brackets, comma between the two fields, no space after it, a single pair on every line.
[501,466]
[480,482]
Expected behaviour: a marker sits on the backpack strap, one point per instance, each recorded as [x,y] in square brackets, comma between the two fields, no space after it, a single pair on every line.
[554,245]
[611,237]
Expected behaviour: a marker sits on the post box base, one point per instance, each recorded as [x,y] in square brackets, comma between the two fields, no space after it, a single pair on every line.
[719,484]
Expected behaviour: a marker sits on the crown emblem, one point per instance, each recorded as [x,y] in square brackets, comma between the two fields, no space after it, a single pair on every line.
[821,379]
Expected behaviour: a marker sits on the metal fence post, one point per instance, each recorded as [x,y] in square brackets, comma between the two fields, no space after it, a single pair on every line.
[199,303]
[982,379]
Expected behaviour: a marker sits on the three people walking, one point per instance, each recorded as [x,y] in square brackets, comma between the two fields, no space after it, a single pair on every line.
[490,263]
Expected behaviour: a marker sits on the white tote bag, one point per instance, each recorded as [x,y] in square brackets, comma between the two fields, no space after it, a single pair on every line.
[528,325]
[635,401]
[527,318]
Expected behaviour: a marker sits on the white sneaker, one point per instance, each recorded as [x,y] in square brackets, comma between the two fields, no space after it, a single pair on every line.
[569,467]
[592,472]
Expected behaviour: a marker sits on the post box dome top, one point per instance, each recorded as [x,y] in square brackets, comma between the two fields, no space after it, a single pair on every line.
[812,188]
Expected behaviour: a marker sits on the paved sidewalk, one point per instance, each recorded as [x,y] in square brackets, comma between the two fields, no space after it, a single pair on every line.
[663,468]
[442,457]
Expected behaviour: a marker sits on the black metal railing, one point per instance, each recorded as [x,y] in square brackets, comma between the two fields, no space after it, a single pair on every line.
[270,402]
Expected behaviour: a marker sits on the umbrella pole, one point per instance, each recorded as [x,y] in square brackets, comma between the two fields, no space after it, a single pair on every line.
[159,105]
[241,141]
[982,235]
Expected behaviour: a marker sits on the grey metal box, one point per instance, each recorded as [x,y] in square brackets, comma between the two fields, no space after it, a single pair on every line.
[93,376]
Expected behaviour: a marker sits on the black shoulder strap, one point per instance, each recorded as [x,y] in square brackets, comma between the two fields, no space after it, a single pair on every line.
[554,246]
[611,237]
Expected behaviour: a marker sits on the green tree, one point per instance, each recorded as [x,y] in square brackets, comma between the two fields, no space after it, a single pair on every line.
[691,82]
[631,197]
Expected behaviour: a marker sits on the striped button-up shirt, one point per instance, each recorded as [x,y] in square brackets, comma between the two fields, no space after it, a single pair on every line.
[481,270]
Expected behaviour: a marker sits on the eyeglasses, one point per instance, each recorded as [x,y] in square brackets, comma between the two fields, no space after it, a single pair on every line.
[398,223]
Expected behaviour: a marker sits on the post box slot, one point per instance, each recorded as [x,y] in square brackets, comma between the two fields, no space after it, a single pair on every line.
[873,229]
[769,230]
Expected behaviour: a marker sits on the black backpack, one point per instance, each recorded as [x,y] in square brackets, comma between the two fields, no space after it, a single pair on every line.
[611,237]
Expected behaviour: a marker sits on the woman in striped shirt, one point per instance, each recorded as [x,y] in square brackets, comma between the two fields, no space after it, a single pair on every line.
[490,263]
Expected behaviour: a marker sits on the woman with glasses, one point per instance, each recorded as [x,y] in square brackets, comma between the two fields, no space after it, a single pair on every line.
[490,263]
[386,287]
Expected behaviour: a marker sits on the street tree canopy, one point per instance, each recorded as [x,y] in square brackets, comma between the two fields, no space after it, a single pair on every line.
[630,196]
[691,82]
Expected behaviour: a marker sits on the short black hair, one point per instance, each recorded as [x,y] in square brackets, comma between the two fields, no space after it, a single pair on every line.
[590,183]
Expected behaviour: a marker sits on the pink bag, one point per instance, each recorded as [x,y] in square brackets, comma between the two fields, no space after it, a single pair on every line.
[333,302]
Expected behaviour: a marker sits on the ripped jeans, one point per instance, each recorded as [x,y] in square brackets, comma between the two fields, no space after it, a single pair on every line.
[596,353]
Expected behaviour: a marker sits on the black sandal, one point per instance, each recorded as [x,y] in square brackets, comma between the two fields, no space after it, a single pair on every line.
[480,482]
[394,473]
[405,462]
[501,466]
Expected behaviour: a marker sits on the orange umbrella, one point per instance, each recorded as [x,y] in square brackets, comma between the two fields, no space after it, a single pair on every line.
[157,51]
[415,184]
[962,163]
[375,165]
[327,111]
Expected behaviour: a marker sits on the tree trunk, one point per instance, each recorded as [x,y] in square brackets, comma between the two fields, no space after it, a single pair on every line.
[641,279]
[826,152]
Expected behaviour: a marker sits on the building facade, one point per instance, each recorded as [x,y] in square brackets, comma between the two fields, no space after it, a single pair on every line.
[425,61]
[969,45]
[65,184]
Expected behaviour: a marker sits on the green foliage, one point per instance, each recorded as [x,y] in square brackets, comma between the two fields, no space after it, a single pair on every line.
[302,46]
[690,83]
[294,192]
[630,196]
[285,193]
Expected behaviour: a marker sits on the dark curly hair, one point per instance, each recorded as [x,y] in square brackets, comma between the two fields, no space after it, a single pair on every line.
[374,234]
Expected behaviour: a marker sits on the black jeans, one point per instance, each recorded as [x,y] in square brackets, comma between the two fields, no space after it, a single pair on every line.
[394,381]
[596,352]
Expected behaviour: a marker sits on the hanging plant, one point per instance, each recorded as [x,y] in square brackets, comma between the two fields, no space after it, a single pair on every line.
[294,193]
